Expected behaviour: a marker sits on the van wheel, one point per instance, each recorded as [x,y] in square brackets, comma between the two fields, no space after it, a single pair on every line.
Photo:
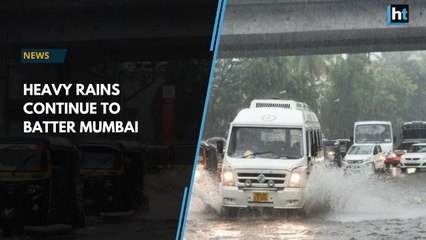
[299,212]
[229,212]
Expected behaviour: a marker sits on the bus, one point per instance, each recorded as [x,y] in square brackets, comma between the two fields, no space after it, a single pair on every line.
[272,147]
[414,131]
[379,132]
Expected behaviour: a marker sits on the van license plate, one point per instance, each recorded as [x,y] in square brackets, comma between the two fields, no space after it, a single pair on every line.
[260,196]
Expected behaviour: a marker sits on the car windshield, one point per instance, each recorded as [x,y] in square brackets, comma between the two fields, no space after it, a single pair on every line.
[373,133]
[360,150]
[100,158]
[417,149]
[274,143]
[22,158]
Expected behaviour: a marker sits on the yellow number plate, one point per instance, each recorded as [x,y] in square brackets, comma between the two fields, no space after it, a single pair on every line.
[260,196]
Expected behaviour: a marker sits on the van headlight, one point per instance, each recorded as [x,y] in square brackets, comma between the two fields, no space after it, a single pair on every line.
[295,179]
[331,153]
[228,178]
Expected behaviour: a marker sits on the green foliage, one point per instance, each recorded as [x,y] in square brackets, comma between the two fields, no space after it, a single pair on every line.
[342,89]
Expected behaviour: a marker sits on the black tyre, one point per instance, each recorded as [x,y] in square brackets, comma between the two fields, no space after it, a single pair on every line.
[403,170]
[300,212]
[229,212]
[11,229]
[8,231]
[137,201]
[79,220]
[384,168]
[339,161]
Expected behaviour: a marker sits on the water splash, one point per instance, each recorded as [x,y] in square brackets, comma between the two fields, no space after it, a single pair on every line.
[334,195]
[205,197]
[364,196]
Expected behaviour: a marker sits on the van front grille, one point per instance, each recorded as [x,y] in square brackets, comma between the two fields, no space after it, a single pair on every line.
[260,179]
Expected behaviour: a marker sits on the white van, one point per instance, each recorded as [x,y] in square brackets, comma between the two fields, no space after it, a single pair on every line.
[271,149]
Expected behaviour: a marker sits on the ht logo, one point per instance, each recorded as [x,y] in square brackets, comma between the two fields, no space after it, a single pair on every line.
[397,14]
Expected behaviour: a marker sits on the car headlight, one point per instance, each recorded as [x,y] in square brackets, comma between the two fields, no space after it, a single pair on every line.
[331,153]
[228,178]
[296,179]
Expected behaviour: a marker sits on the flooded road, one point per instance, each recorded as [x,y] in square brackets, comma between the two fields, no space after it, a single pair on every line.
[339,206]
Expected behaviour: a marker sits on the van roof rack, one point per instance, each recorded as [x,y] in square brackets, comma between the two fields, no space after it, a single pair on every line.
[274,103]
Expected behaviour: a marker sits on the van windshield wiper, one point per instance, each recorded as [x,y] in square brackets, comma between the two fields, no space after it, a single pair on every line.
[254,154]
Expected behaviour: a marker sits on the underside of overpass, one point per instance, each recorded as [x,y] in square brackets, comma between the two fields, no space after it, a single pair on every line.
[288,27]
[110,30]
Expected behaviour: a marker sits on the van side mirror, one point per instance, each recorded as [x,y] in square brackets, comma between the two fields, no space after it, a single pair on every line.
[394,139]
[219,145]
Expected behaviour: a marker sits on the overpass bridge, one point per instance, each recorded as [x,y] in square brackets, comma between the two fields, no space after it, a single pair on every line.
[302,27]
[172,28]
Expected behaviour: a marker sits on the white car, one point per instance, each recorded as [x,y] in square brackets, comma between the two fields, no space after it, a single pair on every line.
[364,156]
[414,158]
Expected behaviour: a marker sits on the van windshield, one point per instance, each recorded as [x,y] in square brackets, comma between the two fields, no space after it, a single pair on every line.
[373,133]
[274,143]
[22,158]
[100,158]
